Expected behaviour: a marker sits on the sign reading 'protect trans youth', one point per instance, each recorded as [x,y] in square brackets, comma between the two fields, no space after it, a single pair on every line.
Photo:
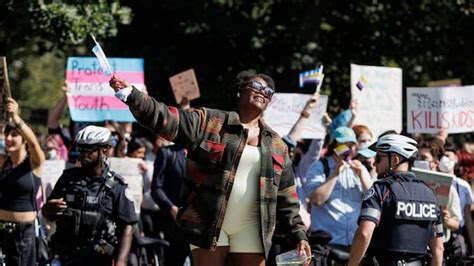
[90,98]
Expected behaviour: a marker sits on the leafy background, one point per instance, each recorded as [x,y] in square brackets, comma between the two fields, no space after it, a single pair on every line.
[429,40]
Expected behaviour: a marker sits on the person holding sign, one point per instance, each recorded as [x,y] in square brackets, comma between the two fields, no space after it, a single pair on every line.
[19,182]
[400,214]
[238,179]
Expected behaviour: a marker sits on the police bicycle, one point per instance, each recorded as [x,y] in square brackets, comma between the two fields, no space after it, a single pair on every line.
[325,254]
[147,251]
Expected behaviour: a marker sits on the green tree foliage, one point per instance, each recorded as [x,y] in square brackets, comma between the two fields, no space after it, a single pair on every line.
[37,36]
[428,39]
[63,24]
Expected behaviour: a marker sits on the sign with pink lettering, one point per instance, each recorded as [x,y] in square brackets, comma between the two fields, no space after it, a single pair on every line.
[431,109]
[90,97]
[285,109]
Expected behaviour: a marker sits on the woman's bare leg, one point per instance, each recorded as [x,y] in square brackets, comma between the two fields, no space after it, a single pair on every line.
[246,259]
[204,257]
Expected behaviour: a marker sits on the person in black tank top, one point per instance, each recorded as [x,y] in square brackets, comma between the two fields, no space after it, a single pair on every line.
[400,214]
[19,182]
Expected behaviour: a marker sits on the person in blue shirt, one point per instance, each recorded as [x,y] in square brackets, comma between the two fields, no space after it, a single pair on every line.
[335,186]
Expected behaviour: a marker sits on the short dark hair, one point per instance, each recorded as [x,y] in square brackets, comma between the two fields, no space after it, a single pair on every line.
[435,147]
[245,77]
[135,144]
[9,127]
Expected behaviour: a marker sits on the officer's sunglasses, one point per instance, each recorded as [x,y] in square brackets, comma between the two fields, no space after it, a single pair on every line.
[258,87]
[87,149]
[378,157]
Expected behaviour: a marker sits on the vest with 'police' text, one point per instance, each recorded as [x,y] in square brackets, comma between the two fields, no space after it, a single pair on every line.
[406,211]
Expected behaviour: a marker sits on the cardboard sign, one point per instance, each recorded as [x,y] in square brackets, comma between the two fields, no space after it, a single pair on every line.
[431,109]
[439,182]
[445,83]
[129,169]
[185,84]
[5,89]
[379,99]
[285,109]
[52,170]
[91,99]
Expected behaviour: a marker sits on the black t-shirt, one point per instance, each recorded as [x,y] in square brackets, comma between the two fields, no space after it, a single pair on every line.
[18,187]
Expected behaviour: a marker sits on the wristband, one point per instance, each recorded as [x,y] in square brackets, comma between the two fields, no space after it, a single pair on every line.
[20,124]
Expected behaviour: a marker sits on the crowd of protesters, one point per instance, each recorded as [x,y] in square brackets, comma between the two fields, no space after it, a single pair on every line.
[330,175]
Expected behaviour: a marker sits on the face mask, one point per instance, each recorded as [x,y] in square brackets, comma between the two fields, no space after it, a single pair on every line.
[446,164]
[422,164]
[52,154]
[364,145]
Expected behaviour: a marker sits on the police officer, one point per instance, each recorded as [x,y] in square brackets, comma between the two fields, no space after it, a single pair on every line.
[400,213]
[92,207]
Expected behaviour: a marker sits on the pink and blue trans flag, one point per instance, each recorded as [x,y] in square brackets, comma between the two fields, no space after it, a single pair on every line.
[99,53]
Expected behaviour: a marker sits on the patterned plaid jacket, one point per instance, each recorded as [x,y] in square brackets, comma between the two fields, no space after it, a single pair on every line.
[215,141]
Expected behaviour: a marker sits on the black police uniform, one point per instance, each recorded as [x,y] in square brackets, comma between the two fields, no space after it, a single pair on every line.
[407,215]
[98,208]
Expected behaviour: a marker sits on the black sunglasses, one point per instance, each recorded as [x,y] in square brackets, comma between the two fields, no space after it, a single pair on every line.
[87,149]
[378,157]
[258,87]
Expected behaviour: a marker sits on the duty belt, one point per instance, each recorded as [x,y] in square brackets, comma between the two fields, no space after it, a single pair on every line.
[397,263]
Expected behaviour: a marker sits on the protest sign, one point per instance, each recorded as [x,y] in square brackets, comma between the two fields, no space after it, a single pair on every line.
[431,109]
[90,97]
[148,201]
[285,109]
[445,83]
[5,89]
[52,170]
[378,91]
[439,182]
[129,169]
[184,84]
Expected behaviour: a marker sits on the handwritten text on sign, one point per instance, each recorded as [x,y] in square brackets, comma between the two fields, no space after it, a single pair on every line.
[185,84]
[432,109]
[380,101]
[285,108]
[90,97]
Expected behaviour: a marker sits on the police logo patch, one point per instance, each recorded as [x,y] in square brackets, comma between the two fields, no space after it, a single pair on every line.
[128,194]
[369,193]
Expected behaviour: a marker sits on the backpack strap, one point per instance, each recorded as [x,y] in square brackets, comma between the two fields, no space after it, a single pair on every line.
[325,163]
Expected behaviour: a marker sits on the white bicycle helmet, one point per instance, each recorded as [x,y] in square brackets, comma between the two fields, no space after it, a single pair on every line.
[401,145]
[93,135]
